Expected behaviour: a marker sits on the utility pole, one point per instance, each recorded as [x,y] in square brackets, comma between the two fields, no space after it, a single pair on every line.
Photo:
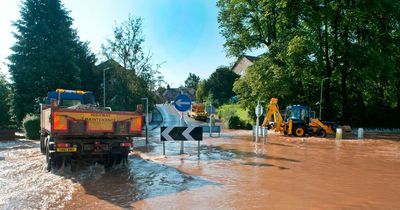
[147,119]
[104,87]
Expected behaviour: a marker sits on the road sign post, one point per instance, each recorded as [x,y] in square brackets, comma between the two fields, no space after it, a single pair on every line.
[181,123]
[258,111]
[210,116]
[182,103]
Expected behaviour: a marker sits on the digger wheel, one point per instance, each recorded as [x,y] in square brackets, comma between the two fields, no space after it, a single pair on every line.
[321,132]
[299,130]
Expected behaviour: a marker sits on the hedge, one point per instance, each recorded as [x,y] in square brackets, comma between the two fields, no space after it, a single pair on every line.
[31,125]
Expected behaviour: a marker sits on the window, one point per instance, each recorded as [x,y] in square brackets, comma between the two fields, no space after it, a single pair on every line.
[69,103]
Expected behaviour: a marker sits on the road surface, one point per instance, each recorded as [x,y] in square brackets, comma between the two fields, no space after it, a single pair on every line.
[232,173]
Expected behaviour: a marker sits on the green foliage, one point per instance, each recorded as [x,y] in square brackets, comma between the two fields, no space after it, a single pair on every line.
[31,125]
[202,90]
[234,122]
[234,110]
[126,47]
[350,42]
[137,77]
[47,55]
[218,87]
[124,89]
[5,104]
[192,81]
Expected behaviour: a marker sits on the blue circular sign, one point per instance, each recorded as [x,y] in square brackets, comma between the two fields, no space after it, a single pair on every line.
[182,103]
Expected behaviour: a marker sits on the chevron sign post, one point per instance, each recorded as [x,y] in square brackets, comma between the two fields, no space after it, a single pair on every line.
[181,134]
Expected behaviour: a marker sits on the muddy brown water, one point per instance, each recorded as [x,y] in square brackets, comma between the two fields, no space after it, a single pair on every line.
[232,173]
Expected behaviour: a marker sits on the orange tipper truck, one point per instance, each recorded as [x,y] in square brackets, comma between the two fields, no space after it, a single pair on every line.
[74,128]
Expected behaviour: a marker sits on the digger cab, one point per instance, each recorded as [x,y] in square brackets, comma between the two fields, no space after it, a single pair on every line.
[297,113]
[297,120]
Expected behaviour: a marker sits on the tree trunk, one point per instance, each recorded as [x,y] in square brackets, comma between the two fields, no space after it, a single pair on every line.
[346,108]
[328,109]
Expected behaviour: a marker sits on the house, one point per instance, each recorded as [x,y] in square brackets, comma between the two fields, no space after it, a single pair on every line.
[243,63]
[171,93]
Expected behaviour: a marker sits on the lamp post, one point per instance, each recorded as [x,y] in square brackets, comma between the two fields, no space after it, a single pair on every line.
[320,99]
[147,119]
[104,86]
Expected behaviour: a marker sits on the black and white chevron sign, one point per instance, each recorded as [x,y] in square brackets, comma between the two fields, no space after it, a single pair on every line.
[181,133]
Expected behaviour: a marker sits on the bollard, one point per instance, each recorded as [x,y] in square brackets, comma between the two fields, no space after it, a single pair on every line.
[339,134]
[265,135]
[360,133]
[254,133]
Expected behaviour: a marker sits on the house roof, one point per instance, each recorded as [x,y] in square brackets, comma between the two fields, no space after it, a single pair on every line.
[248,57]
[251,58]
[109,63]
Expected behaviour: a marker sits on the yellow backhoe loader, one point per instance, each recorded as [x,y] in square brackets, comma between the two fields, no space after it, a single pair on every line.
[298,121]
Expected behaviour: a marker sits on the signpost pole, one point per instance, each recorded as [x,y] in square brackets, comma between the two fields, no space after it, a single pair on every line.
[163,148]
[265,135]
[258,114]
[182,103]
[198,149]
[210,117]
[181,124]
[257,130]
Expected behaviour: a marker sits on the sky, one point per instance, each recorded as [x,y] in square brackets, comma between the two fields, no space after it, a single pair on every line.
[183,35]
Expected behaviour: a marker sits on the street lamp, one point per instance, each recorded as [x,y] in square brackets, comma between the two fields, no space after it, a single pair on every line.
[320,99]
[104,86]
[147,119]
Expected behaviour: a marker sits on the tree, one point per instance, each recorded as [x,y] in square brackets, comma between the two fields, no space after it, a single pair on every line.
[137,77]
[353,44]
[192,81]
[202,90]
[5,106]
[220,84]
[126,47]
[90,79]
[46,54]
[218,87]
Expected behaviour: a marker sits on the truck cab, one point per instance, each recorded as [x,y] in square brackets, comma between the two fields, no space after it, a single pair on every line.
[67,98]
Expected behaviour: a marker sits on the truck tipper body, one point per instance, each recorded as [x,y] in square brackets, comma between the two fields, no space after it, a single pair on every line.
[74,128]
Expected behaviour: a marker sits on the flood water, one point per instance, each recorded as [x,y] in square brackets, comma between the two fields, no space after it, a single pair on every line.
[232,173]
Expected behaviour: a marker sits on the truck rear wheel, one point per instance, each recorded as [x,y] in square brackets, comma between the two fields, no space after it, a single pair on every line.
[108,161]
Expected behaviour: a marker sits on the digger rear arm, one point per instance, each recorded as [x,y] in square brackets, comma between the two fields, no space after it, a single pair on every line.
[273,110]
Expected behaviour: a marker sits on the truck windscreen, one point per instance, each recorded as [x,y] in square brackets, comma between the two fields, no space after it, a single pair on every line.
[71,99]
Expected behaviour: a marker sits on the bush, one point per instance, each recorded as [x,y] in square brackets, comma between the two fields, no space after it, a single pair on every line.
[31,124]
[234,122]
[234,110]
